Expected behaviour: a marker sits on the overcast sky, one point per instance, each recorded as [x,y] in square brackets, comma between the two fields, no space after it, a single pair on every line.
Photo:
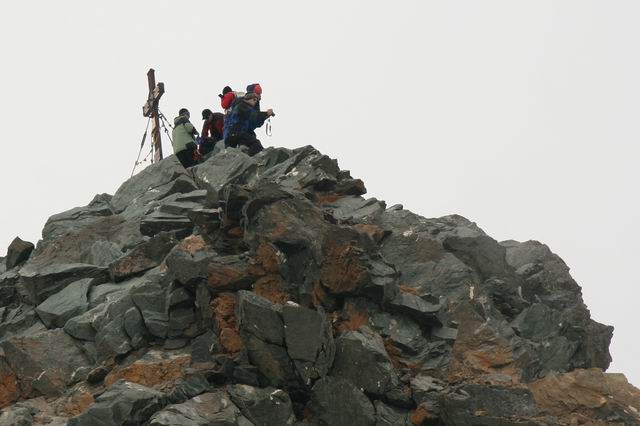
[520,116]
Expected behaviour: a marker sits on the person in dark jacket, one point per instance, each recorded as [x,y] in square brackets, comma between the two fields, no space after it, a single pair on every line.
[240,125]
[212,129]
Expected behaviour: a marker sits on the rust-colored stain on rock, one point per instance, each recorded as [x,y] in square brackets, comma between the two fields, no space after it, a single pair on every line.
[151,372]
[271,287]
[342,270]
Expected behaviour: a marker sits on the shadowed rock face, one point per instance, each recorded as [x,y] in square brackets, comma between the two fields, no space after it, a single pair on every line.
[267,290]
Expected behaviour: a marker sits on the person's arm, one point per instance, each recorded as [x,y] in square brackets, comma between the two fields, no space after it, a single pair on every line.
[206,128]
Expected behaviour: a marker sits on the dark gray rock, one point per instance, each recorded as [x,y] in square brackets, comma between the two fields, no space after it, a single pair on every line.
[17,320]
[66,304]
[18,252]
[188,387]
[362,359]
[490,405]
[204,347]
[144,257]
[414,247]
[309,341]
[102,253]
[43,362]
[213,408]
[263,407]
[3,265]
[81,326]
[16,416]
[148,183]
[415,307]
[427,392]
[124,403]
[230,166]
[275,368]
[78,217]
[160,221]
[390,416]
[259,317]
[151,298]
[354,208]
[338,402]
[189,265]
[40,283]
[403,332]
[134,326]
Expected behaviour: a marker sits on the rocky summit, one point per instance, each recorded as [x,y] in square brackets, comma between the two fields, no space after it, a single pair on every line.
[268,290]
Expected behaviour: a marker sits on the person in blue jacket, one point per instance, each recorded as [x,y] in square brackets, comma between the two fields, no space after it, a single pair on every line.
[240,125]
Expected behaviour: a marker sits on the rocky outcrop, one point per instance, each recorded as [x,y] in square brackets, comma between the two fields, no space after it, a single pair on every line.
[267,290]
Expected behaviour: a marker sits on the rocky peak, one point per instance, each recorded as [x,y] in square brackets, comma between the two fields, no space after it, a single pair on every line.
[268,290]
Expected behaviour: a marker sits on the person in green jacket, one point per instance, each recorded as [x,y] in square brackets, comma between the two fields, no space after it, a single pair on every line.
[184,142]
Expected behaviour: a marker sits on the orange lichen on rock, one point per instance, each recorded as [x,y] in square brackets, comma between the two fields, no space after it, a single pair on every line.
[271,287]
[154,369]
[77,402]
[351,320]
[224,311]
[406,289]
[342,270]
[420,415]
[327,198]
[267,260]
[192,244]
[9,391]
[478,352]
[579,395]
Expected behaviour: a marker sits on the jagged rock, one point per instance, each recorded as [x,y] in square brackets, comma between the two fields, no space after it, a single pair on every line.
[16,416]
[491,405]
[159,221]
[415,307]
[338,402]
[214,408]
[263,407]
[134,326]
[9,388]
[78,217]
[17,321]
[390,416]
[188,387]
[18,252]
[230,166]
[40,283]
[413,247]
[259,317]
[79,244]
[146,256]
[229,273]
[151,298]
[353,208]
[309,341]
[66,304]
[189,260]
[426,392]
[403,332]
[3,265]
[155,368]
[275,368]
[43,362]
[122,404]
[102,253]
[586,396]
[203,347]
[362,359]
[148,184]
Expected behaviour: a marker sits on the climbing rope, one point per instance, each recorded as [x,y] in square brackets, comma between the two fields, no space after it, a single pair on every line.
[144,137]
[165,123]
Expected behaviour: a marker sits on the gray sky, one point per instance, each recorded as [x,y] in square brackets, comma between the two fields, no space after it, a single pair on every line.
[520,116]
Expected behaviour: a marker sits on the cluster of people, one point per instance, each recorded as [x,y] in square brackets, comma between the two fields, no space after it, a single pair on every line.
[236,127]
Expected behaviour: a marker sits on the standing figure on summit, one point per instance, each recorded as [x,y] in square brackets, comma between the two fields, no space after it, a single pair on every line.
[240,124]
[183,138]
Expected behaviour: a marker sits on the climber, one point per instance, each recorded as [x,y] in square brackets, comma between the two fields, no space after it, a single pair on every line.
[257,89]
[240,124]
[183,139]
[212,129]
